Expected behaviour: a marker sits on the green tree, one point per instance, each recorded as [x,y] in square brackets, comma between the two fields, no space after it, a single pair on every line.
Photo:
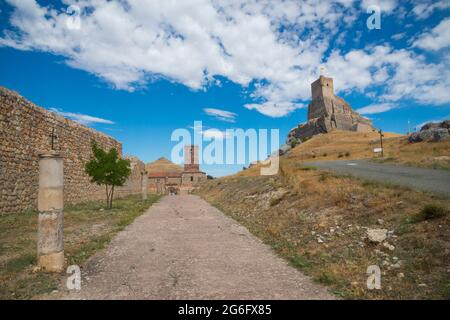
[106,168]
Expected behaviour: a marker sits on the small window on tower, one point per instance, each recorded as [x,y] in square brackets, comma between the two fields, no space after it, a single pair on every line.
[192,178]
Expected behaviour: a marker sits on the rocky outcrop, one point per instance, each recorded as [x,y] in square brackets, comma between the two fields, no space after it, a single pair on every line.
[436,125]
[327,112]
[432,132]
[285,148]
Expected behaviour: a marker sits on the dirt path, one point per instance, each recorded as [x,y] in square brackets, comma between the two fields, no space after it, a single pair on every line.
[183,248]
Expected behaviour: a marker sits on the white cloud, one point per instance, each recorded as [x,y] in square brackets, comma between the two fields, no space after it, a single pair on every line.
[425,9]
[188,43]
[436,39]
[223,115]
[274,110]
[385,5]
[212,133]
[397,74]
[376,108]
[398,36]
[81,118]
[130,43]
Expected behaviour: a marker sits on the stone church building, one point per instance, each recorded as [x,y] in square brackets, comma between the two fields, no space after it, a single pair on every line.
[168,178]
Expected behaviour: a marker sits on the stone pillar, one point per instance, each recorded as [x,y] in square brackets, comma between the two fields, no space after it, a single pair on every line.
[144,185]
[51,216]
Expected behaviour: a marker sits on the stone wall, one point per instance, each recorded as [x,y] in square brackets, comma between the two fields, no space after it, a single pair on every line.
[191,178]
[25,131]
[134,182]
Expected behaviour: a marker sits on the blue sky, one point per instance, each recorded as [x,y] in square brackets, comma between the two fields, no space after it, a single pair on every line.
[139,69]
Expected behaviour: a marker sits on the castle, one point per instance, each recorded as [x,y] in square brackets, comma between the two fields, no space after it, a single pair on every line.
[168,178]
[327,112]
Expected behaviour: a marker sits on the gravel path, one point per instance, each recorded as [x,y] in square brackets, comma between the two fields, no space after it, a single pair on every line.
[430,180]
[183,248]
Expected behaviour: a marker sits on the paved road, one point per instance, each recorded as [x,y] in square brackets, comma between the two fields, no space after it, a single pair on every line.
[183,248]
[436,181]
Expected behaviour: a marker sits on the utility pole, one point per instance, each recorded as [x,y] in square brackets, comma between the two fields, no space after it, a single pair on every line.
[409,127]
[381,142]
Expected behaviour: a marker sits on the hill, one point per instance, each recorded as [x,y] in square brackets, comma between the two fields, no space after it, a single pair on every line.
[163,165]
[355,145]
[320,222]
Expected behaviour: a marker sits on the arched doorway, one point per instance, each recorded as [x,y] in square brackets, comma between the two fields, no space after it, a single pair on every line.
[172,191]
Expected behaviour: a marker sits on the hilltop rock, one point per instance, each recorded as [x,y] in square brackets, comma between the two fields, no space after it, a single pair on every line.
[284,149]
[432,132]
[433,125]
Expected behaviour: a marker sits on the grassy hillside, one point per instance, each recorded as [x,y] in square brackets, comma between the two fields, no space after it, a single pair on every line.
[318,221]
[353,145]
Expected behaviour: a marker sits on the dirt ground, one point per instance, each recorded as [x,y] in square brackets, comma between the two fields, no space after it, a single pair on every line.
[318,221]
[183,248]
[88,228]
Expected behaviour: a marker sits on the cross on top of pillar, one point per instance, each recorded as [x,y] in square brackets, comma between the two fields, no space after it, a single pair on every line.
[53,137]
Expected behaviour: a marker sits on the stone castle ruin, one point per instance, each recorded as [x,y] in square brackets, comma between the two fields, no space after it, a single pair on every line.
[328,112]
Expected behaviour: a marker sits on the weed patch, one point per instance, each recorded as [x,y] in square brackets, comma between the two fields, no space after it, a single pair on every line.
[88,227]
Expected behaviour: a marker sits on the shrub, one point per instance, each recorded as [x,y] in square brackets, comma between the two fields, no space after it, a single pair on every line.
[429,212]
[300,262]
[304,139]
[275,201]
[306,168]
[294,142]
[326,278]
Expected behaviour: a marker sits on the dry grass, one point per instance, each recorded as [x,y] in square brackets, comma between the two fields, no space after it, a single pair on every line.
[293,210]
[291,217]
[353,145]
[163,165]
[87,229]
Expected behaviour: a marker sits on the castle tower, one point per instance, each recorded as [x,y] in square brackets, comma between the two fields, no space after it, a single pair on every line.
[191,158]
[322,88]
[328,112]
